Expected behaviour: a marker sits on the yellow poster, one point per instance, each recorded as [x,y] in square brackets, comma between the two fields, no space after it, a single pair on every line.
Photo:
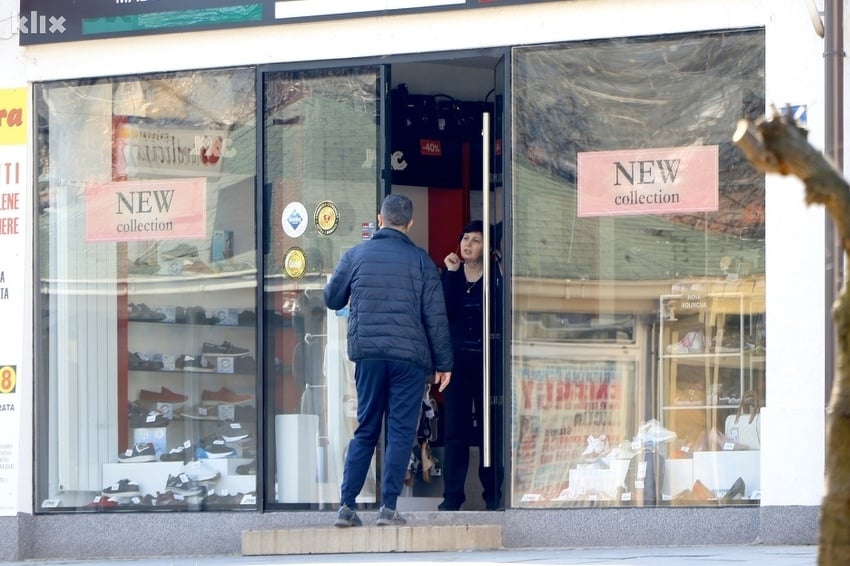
[13,126]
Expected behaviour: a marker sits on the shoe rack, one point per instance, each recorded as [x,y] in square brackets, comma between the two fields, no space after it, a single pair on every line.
[187,364]
[707,358]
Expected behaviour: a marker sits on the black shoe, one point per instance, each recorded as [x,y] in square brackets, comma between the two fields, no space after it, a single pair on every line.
[249,469]
[224,349]
[124,488]
[389,517]
[183,485]
[447,505]
[198,315]
[247,318]
[492,500]
[143,313]
[347,517]
[140,417]
[182,453]
[735,492]
[142,362]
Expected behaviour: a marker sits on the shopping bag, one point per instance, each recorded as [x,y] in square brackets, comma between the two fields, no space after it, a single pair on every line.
[744,427]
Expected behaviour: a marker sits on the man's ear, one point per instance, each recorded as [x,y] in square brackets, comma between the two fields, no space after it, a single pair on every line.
[409,225]
[380,221]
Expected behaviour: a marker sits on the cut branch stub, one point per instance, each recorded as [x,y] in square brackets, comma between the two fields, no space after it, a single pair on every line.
[777,144]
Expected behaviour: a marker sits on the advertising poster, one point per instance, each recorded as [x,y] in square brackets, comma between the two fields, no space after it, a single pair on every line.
[13,204]
[559,404]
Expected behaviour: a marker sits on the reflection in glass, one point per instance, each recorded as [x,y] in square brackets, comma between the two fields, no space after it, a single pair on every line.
[636,335]
[321,194]
[147,274]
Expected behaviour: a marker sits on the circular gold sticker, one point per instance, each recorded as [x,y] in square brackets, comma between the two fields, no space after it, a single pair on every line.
[326,218]
[295,262]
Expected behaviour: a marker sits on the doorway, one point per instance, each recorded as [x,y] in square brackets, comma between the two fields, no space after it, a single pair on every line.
[437,158]
[323,180]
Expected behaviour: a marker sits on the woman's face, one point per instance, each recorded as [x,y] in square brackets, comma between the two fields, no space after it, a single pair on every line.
[472,246]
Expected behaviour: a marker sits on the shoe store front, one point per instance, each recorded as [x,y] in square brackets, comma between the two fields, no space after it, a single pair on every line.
[186,374]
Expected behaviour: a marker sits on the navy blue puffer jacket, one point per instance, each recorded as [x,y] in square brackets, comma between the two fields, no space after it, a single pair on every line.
[396,304]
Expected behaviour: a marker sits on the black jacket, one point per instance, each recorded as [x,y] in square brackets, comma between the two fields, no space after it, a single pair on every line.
[465,304]
[396,306]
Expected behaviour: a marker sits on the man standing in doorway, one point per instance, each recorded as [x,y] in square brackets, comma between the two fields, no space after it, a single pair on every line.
[398,335]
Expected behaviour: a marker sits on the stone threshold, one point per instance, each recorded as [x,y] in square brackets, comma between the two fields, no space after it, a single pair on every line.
[331,540]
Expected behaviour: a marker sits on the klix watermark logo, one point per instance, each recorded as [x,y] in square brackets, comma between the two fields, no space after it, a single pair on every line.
[32,23]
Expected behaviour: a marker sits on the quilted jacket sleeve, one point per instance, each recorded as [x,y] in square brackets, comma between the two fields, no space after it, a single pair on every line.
[338,290]
[435,319]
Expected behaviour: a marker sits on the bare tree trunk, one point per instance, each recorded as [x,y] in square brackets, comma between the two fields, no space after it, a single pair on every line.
[775,144]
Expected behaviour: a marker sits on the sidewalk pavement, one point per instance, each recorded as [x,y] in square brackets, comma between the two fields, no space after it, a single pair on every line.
[649,556]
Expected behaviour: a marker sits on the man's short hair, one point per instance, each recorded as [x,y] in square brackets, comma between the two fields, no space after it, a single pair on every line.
[397,210]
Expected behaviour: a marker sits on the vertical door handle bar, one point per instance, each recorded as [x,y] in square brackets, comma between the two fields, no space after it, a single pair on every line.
[485,345]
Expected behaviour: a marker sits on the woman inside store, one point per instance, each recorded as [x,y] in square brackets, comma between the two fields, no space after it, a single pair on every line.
[463,288]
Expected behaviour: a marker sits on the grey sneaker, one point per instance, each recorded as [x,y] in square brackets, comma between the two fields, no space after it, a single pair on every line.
[347,517]
[387,517]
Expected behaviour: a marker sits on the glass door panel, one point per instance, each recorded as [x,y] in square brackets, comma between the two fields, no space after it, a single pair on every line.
[321,184]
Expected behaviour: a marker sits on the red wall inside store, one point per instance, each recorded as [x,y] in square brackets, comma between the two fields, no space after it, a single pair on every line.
[447,214]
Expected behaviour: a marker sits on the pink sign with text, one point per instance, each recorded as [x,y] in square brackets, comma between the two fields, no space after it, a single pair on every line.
[648,181]
[161,209]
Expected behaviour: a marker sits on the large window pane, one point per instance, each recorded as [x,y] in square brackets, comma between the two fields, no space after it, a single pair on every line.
[147,270]
[636,334]
[322,186]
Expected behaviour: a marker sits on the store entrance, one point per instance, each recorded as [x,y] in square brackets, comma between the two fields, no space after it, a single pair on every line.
[438,110]
[326,168]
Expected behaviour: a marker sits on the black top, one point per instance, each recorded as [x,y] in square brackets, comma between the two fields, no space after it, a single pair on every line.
[464,305]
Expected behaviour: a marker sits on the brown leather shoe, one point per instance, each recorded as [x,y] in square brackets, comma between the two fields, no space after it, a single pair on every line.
[702,492]
[427,462]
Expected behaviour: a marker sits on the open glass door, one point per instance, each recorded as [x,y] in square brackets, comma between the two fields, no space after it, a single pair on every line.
[321,191]
[440,108]
[494,208]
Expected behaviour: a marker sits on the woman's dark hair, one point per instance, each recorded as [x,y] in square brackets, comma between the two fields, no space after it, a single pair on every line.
[475,226]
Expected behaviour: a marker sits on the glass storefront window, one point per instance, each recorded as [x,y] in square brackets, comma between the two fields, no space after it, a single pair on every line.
[638,272]
[321,179]
[147,279]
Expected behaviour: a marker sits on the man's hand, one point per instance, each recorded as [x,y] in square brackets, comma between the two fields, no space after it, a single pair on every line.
[442,378]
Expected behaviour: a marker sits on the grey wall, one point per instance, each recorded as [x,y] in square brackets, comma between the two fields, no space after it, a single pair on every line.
[106,535]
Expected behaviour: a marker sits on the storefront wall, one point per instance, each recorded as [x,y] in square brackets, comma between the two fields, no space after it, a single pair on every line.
[793,293]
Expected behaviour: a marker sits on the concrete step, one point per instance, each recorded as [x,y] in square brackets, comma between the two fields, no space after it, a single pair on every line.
[331,540]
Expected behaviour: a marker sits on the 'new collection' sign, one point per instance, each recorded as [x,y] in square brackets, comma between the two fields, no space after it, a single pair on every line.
[648,181]
[163,209]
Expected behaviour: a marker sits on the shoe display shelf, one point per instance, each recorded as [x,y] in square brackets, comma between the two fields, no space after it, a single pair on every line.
[716,471]
[152,477]
[701,365]
[190,278]
[706,361]
[211,400]
[197,346]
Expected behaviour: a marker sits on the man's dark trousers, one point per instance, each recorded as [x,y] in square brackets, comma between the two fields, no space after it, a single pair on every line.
[391,388]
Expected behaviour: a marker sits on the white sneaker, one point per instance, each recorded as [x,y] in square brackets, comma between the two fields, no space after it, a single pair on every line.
[596,445]
[654,431]
[691,343]
[201,473]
